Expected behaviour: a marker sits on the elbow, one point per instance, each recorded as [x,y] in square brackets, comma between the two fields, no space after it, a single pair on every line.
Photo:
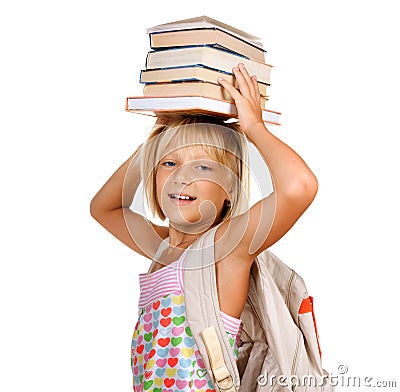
[94,209]
[311,186]
[304,189]
[99,210]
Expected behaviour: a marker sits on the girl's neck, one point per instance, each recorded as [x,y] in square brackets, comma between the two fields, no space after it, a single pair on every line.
[177,243]
[177,237]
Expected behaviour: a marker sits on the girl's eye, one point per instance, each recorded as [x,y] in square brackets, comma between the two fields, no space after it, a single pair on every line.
[171,164]
[206,167]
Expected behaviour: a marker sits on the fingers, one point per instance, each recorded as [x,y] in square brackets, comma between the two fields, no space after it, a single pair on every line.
[248,99]
[245,82]
[248,86]
[257,95]
[241,81]
[231,90]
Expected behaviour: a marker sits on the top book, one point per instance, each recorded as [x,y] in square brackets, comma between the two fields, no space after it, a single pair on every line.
[206,22]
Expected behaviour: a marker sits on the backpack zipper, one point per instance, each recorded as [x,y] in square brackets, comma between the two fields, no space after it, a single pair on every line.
[287,301]
[289,289]
[296,354]
[255,313]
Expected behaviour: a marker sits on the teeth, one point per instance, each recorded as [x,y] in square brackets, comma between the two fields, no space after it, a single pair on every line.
[180,197]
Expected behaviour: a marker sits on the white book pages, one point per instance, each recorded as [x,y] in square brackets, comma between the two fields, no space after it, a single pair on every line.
[191,102]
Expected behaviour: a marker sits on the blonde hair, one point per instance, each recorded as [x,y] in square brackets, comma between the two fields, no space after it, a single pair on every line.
[223,142]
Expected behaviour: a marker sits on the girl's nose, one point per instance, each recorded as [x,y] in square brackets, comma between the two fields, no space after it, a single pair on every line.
[180,181]
[181,176]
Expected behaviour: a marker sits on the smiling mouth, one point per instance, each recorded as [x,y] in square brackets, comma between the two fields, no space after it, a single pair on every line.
[181,197]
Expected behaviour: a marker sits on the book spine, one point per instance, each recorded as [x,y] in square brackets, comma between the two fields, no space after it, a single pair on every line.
[146,64]
[151,41]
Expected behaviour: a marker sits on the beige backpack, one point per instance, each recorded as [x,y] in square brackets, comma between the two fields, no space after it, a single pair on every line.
[278,349]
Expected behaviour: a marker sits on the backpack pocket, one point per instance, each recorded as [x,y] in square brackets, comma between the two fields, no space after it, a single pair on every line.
[308,326]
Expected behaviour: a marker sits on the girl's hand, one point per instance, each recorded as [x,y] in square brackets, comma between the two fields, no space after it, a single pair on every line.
[247,101]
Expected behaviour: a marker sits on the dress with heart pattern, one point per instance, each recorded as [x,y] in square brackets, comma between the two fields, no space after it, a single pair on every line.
[164,354]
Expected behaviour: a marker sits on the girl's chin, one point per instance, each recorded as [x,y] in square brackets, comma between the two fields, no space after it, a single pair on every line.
[190,214]
[182,219]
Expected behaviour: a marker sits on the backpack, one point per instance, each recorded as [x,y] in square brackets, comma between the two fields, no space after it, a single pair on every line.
[278,349]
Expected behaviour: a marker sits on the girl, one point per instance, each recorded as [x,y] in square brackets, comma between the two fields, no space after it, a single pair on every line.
[194,172]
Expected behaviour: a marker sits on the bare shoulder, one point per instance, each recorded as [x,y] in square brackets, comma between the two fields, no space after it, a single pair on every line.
[233,265]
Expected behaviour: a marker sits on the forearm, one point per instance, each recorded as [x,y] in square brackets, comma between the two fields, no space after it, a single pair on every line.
[289,172]
[120,188]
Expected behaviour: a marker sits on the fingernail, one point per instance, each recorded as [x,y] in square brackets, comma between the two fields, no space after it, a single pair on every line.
[220,79]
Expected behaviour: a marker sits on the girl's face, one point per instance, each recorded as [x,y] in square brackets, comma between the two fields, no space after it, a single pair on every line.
[203,179]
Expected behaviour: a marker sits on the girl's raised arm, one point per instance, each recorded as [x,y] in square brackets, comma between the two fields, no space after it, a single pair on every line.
[295,186]
[110,207]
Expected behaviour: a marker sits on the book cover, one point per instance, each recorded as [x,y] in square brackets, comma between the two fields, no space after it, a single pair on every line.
[206,36]
[205,21]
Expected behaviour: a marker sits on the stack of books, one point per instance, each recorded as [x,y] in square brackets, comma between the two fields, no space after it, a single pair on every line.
[185,61]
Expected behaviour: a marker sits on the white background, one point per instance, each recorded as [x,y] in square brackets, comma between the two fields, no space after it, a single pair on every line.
[69,289]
